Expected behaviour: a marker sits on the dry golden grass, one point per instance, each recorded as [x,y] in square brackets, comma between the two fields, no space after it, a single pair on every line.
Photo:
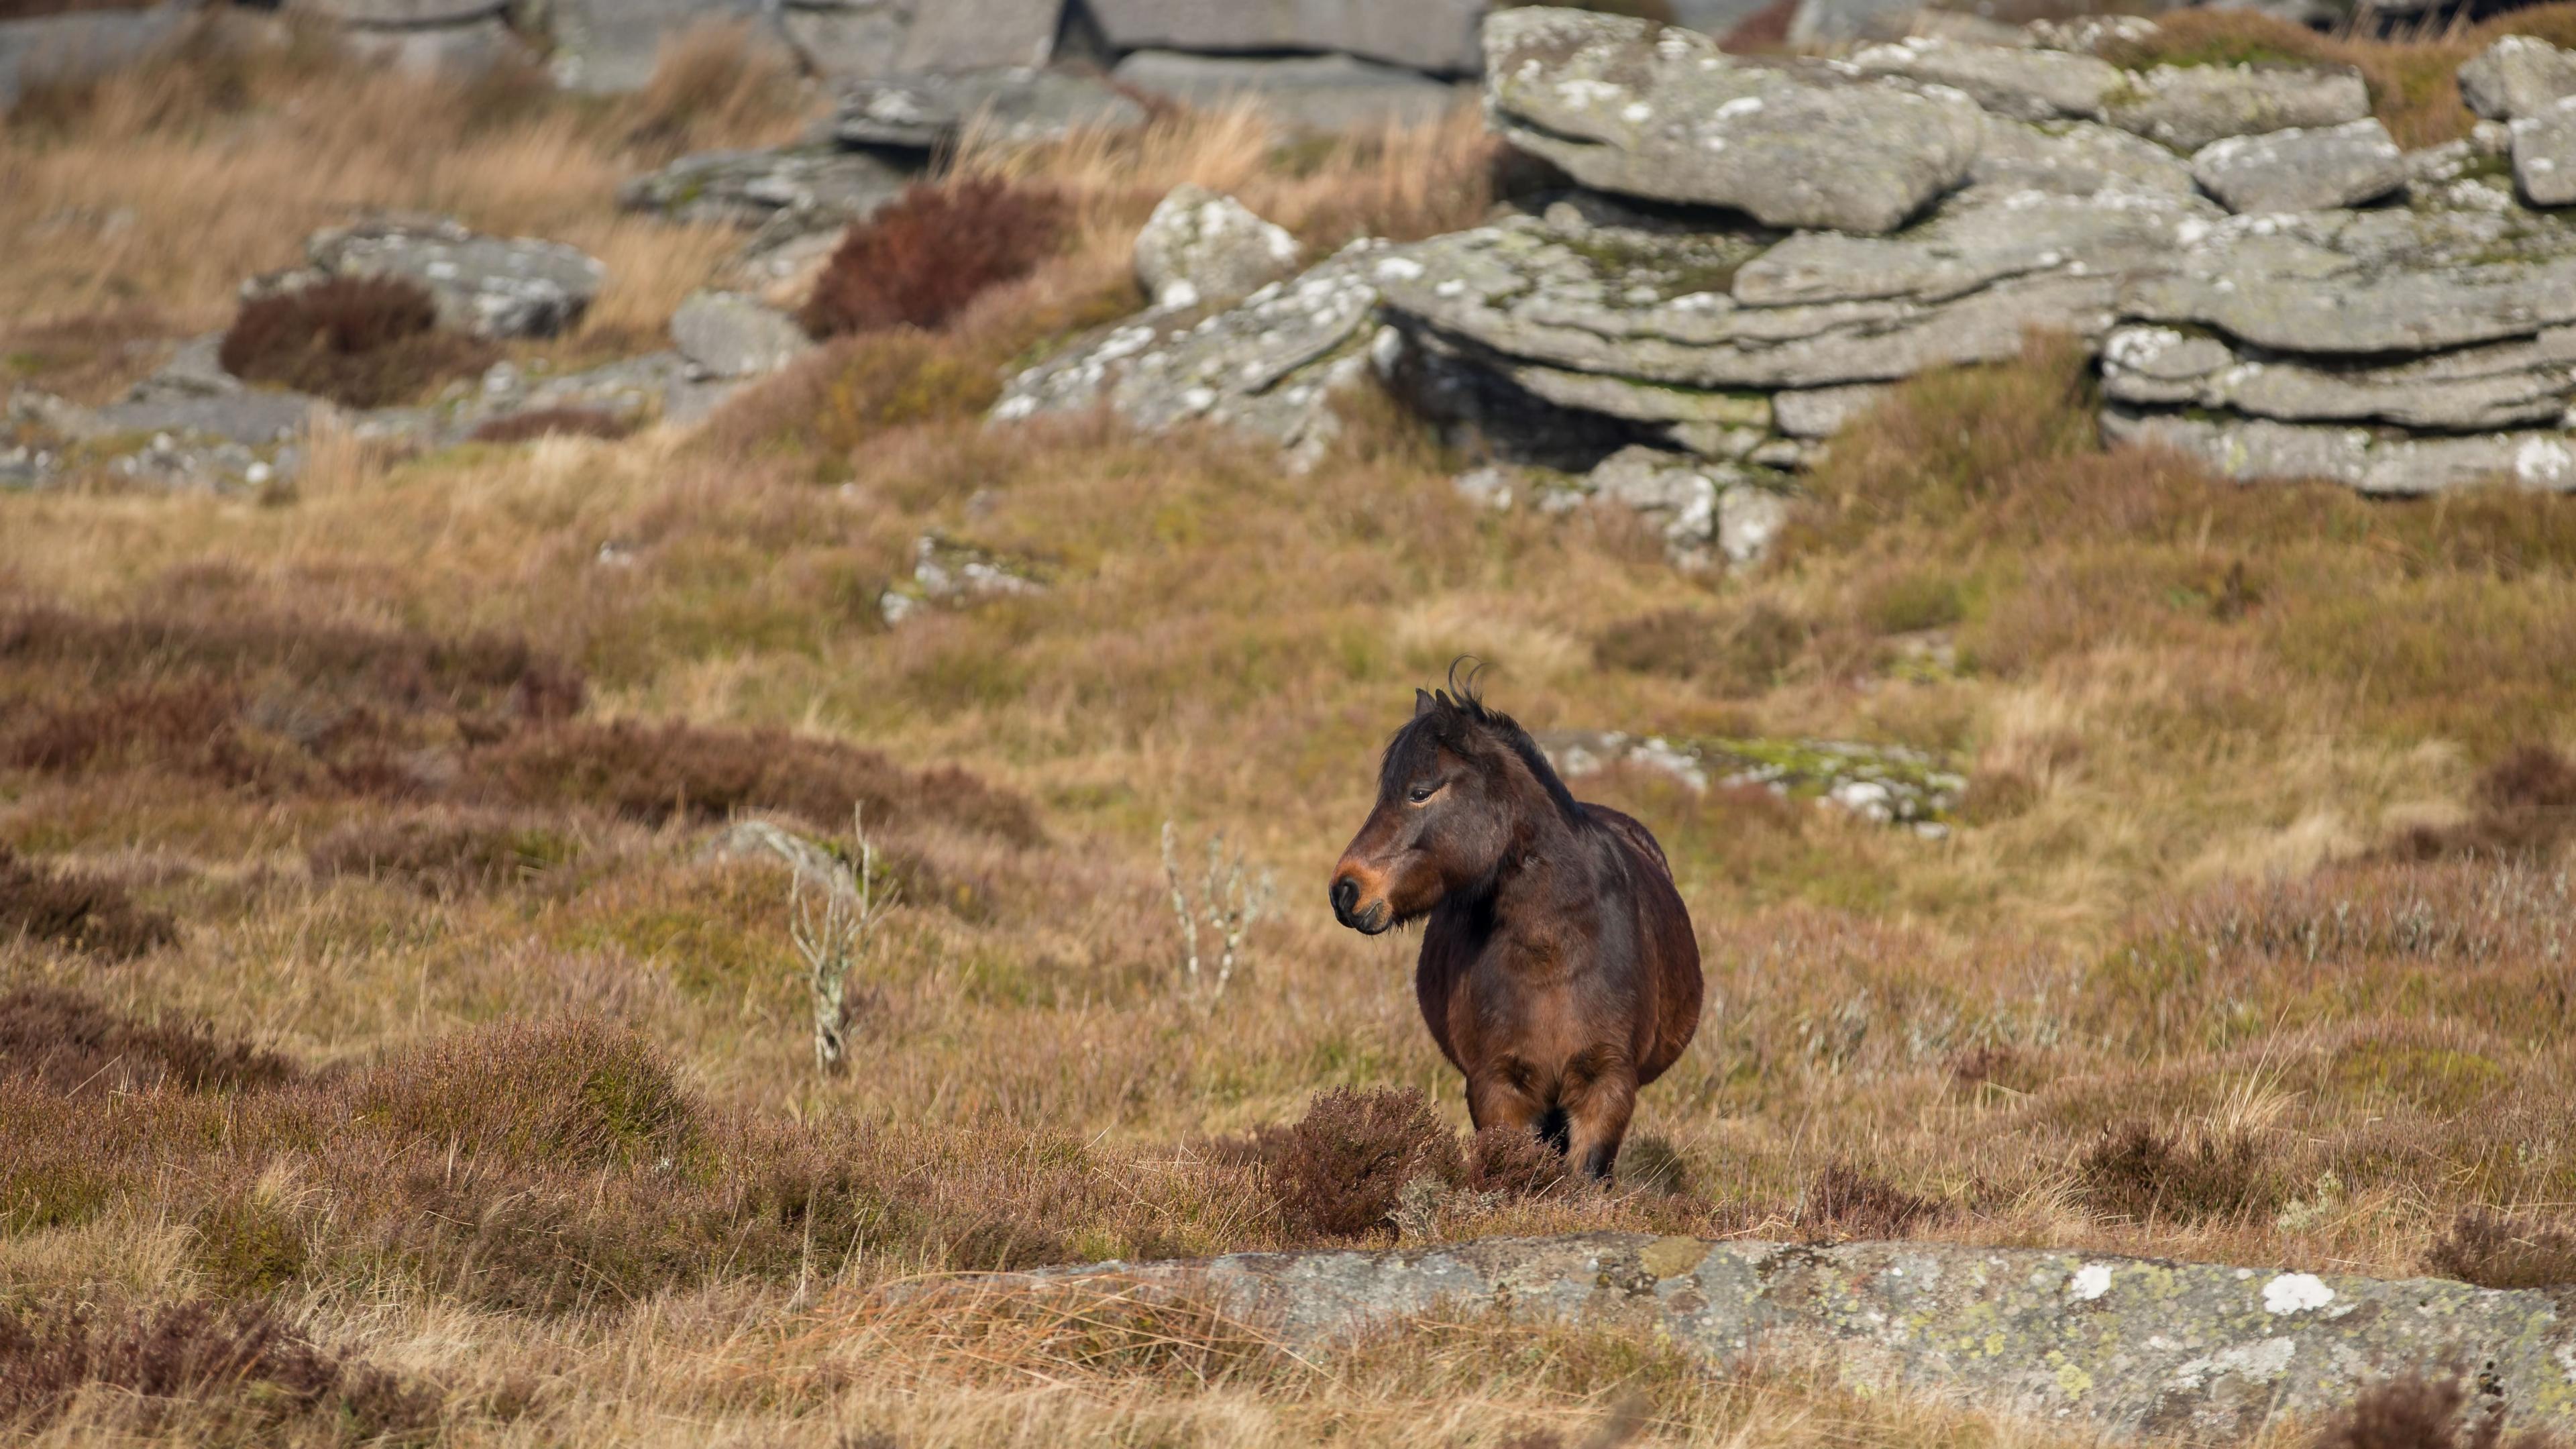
[2222,962]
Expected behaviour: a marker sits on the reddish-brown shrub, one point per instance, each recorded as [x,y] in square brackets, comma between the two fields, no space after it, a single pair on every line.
[81,912]
[363,341]
[72,1044]
[240,1359]
[2139,1173]
[2496,1251]
[2414,1411]
[527,427]
[1337,1172]
[679,771]
[1514,1161]
[920,261]
[2524,808]
[1844,1201]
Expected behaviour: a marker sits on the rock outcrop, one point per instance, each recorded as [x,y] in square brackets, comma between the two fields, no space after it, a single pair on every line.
[1199,247]
[1307,92]
[2126,1347]
[1436,36]
[930,110]
[2302,170]
[489,286]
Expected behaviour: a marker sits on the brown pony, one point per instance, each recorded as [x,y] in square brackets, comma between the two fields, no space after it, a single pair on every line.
[1558,972]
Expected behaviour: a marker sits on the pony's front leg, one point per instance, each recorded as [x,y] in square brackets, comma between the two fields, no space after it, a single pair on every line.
[1600,1097]
[1499,1095]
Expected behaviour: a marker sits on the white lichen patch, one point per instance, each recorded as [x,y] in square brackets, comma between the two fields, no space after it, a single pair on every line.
[2296,1293]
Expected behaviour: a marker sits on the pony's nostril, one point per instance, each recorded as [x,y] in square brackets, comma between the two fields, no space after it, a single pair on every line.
[1346,894]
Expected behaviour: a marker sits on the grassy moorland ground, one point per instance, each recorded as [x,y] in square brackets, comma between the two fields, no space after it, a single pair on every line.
[378,1059]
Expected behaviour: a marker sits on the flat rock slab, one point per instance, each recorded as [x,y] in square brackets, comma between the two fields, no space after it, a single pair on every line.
[606,46]
[2361,282]
[851,40]
[748,188]
[954,35]
[1310,92]
[2026,85]
[1437,36]
[1650,111]
[926,111]
[2544,155]
[2187,107]
[2128,1346]
[2520,383]
[726,334]
[2519,75]
[2302,170]
[2371,460]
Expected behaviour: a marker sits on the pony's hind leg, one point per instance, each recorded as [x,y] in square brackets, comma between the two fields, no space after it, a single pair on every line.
[1600,1096]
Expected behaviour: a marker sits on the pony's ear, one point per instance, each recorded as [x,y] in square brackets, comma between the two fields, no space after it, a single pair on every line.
[1423,703]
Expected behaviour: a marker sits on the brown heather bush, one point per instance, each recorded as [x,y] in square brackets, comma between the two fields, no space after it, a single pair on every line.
[1845,1201]
[365,342]
[2493,1250]
[1339,1170]
[79,912]
[669,772]
[573,1091]
[920,261]
[1514,1161]
[527,427]
[2417,1411]
[442,852]
[240,1366]
[2140,1174]
[69,1044]
[2524,808]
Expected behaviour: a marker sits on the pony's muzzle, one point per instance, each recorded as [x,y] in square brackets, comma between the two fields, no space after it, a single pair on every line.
[1368,920]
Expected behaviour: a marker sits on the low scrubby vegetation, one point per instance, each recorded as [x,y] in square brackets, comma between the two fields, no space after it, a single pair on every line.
[374,996]
[365,342]
[921,260]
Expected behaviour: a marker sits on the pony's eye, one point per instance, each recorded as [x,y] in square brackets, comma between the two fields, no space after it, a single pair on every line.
[1420,793]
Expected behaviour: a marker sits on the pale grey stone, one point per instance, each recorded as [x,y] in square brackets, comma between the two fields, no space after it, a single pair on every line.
[2544,155]
[1437,36]
[730,335]
[2394,280]
[2519,75]
[976,34]
[2126,1347]
[1203,249]
[1662,113]
[828,184]
[2089,34]
[1270,367]
[1310,92]
[1821,412]
[606,46]
[248,416]
[2025,84]
[1749,517]
[856,40]
[2498,385]
[1677,496]
[490,286]
[2302,170]
[2075,158]
[2373,461]
[81,44]
[1014,104]
[2187,107]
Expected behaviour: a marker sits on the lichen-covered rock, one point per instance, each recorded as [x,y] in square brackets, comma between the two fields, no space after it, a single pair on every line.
[1014,104]
[1682,499]
[973,34]
[830,184]
[2544,155]
[1435,36]
[950,574]
[2128,1347]
[2519,75]
[2302,170]
[2026,85]
[729,335]
[1202,248]
[2371,460]
[2075,158]
[2392,280]
[490,286]
[2187,107]
[1820,412]
[1645,110]
[2520,383]
[606,46]
[1888,784]
[1270,366]
[844,38]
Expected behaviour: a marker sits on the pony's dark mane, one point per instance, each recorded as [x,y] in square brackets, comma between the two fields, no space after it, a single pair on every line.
[1456,711]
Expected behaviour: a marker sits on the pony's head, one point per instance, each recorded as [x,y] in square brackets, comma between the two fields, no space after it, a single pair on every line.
[1463,789]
